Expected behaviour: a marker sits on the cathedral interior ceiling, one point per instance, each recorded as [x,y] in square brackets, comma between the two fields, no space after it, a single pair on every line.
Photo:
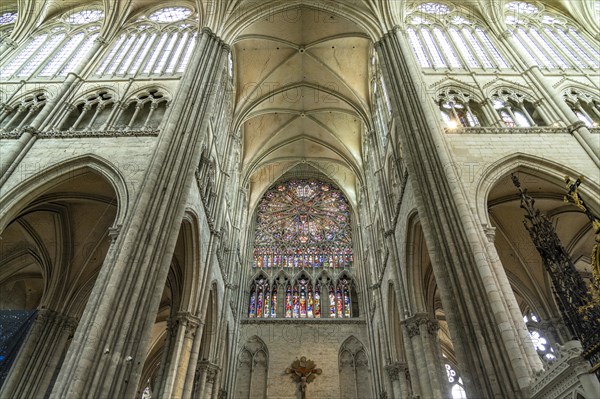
[302,96]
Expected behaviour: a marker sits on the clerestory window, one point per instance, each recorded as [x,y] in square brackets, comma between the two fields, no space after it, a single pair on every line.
[160,43]
[443,38]
[549,39]
[57,49]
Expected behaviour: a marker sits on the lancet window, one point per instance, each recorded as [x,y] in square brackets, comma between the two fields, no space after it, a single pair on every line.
[57,49]
[443,38]
[20,114]
[303,298]
[549,39]
[457,390]
[160,43]
[537,336]
[458,109]
[515,109]
[303,223]
[585,105]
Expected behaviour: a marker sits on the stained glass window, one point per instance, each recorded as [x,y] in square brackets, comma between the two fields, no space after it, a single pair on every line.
[303,224]
[549,40]
[457,391]
[85,17]
[60,48]
[8,18]
[540,343]
[450,40]
[161,47]
[170,14]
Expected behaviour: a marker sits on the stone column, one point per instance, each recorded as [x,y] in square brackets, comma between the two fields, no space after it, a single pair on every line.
[106,356]
[179,355]
[165,356]
[40,356]
[422,331]
[207,373]
[397,373]
[511,302]
[476,314]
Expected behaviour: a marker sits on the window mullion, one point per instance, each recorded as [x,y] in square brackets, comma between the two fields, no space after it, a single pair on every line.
[563,48]
[547,48]
[459,54]
[122,56]
[486,52]
[128,60]
[111,55]
[533,50]
[144,54]
[155,53]
[42,64]
[584,43]
[427,49]
[467,43]
[34,51]
[442,54]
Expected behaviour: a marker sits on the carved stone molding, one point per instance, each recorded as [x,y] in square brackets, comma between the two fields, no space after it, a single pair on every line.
[394,370]
[490,232]
[508,130]
[413,324]
[304,321]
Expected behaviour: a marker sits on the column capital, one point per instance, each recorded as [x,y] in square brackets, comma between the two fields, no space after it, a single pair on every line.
[490,232]
[575,126]
[413,324]
[394,369]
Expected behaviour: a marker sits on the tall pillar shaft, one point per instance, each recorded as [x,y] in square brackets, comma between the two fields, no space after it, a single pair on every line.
[476,313]
[32,373]
[111,342]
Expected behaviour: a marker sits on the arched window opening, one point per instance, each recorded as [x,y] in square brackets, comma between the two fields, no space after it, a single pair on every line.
[586,106]
[516,109]
[144,112]
[7,23]
[58,49]
[538,338]
[354,370]
[457,389]
[302,298]
[147,393]
[458,109]
[158,44]
[18,115]
[443,38]
[90,113]
[549,39]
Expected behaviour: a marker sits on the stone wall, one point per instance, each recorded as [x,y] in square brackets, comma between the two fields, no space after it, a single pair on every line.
[318,340]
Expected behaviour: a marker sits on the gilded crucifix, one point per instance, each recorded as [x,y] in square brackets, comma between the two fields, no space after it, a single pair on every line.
[303,372]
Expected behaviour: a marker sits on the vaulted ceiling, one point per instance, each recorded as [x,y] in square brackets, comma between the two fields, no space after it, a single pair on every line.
[302,95]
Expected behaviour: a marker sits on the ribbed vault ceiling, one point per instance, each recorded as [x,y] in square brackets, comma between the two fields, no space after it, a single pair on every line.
[302,87]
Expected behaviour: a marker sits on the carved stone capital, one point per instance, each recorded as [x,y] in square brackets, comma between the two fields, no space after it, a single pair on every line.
[395,369]
[113,232]
[413,324]
[490,233]
[575,126]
